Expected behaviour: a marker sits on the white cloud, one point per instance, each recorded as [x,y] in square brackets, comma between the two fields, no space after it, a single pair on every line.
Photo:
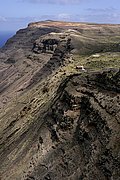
[64,16]
[2,19]
[101,10]
[105,15]
[53,1]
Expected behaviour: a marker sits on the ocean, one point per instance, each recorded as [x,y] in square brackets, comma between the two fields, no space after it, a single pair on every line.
[4,36]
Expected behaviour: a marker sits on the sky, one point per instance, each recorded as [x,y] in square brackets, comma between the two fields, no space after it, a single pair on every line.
[16,14]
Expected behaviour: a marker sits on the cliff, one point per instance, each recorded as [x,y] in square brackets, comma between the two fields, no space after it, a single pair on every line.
[60,102]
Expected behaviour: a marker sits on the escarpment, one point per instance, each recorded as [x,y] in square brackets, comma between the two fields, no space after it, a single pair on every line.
[60,103]
[77,137]
[58,48]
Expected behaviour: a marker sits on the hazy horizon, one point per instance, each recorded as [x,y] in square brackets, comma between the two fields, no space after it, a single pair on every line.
[18,13]
[6,34]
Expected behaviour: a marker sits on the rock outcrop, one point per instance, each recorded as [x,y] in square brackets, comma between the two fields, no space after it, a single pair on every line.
[83,124]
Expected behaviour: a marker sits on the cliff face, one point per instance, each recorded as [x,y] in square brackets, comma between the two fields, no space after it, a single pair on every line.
[80,135]
[58,121]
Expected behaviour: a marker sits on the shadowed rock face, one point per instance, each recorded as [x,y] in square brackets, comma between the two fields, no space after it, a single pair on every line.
[58,122]
[83,123]
[48,45]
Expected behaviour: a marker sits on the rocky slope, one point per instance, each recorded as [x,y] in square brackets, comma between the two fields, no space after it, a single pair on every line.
[58,121]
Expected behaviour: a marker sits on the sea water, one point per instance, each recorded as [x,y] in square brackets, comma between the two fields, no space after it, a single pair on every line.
[4,36]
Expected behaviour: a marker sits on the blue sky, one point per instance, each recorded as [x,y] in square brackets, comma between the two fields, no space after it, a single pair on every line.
[16,14]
